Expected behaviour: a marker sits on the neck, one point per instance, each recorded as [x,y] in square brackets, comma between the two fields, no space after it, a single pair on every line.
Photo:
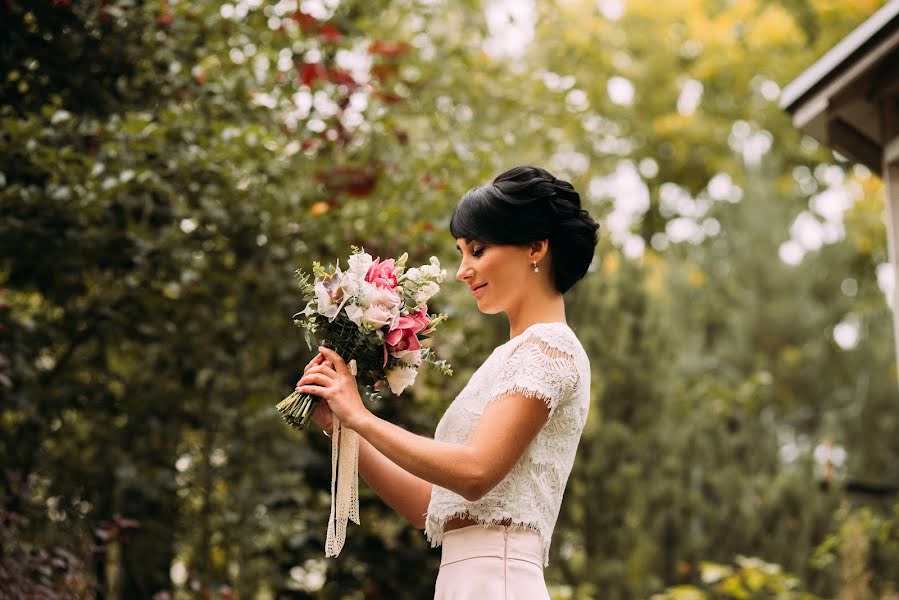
[545,307]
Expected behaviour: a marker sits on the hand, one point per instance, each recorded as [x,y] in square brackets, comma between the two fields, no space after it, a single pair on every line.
[321,414]
[333,382]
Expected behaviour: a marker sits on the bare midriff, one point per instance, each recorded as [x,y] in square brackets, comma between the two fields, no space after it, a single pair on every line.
[466,521]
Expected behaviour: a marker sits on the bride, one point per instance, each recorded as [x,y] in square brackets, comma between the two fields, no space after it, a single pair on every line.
[489,486]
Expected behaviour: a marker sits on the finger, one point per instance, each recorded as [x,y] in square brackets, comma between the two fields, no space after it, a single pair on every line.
[316,360]
[316,379]
[335,359]
[312,390]
[325,369]
[306,383]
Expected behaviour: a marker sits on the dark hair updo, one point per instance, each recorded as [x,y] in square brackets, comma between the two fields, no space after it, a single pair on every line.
[526,204]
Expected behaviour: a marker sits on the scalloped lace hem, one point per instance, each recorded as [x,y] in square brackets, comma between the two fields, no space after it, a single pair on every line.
[434,528]
[524,391]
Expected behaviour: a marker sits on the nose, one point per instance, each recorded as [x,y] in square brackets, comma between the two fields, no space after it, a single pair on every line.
[464,271]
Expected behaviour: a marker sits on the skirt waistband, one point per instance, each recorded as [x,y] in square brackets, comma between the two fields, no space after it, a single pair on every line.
[499,541]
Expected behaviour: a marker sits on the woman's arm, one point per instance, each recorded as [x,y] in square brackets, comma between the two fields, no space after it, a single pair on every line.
[504,432]
[405,493]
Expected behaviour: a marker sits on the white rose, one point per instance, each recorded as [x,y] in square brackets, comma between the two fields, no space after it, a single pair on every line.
[377,316]
[400,378]
[387,298]
[409,357]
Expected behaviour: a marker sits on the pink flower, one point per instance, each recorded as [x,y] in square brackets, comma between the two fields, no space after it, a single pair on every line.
[403,338]
[382,274]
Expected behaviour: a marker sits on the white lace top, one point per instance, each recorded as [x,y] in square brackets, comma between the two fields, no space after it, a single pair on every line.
[545,361]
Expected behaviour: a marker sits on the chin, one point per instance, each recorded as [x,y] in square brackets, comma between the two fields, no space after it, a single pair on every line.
[488,309]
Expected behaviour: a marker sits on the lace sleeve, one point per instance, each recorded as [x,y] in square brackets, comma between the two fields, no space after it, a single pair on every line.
[537,369]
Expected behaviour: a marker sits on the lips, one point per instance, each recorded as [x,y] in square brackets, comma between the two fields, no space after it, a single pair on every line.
[474,289]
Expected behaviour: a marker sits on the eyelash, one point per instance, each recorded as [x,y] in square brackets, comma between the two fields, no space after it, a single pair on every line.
[477,252]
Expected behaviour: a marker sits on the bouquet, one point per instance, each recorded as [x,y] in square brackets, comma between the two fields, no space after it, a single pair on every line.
[375,315]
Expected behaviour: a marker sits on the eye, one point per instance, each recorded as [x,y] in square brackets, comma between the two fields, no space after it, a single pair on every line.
[477,251]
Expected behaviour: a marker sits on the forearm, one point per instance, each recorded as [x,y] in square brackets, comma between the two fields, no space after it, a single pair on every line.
[405,493]
[451,466]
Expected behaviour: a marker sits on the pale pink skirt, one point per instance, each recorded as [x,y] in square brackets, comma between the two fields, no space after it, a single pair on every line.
[493,562]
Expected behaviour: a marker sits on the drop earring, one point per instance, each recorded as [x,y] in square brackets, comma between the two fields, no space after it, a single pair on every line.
[536,268]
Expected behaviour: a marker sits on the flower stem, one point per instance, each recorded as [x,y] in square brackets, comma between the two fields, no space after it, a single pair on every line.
[297,409]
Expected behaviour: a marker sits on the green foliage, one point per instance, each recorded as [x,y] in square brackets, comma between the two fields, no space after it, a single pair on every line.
[749,578]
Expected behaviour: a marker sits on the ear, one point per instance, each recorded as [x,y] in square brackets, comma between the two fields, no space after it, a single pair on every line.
[538,250]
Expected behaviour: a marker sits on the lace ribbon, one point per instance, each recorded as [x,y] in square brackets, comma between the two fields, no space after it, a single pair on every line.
[344,482]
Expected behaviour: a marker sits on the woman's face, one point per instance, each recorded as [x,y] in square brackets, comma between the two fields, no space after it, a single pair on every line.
[496,273]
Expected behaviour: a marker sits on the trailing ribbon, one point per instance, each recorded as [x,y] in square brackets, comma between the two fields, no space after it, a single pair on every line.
[344,483]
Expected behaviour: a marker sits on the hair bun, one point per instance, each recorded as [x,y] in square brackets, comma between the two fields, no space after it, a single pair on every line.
[526,204]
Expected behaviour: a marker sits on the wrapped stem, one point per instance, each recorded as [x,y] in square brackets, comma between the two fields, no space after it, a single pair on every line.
[297,409]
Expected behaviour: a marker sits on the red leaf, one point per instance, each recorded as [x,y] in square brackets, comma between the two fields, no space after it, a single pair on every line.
[382,72]
[307,22]
[388,97]
[330,33]
[389,49]
[310,73]
[350,180]
[342,77]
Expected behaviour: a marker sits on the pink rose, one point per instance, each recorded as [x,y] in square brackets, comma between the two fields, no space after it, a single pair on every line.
[382,274]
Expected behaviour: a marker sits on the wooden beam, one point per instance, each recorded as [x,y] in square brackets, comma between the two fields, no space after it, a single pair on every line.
[890,123]
[891,151]
[891,178]
[855,145]
[886,79]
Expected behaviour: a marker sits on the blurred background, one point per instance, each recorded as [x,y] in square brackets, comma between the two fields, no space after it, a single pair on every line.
[166,166]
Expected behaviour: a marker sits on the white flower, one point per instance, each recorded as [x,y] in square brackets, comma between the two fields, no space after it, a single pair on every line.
[332,292]
[433,270]
[359,264]
[354,312]
[424,293]
[376,316]
[384,308]
[409,357]
[366,293]
[414,275]
[400,378]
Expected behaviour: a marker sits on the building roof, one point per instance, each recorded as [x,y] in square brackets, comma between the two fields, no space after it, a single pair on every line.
[837,99]
[840,56]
